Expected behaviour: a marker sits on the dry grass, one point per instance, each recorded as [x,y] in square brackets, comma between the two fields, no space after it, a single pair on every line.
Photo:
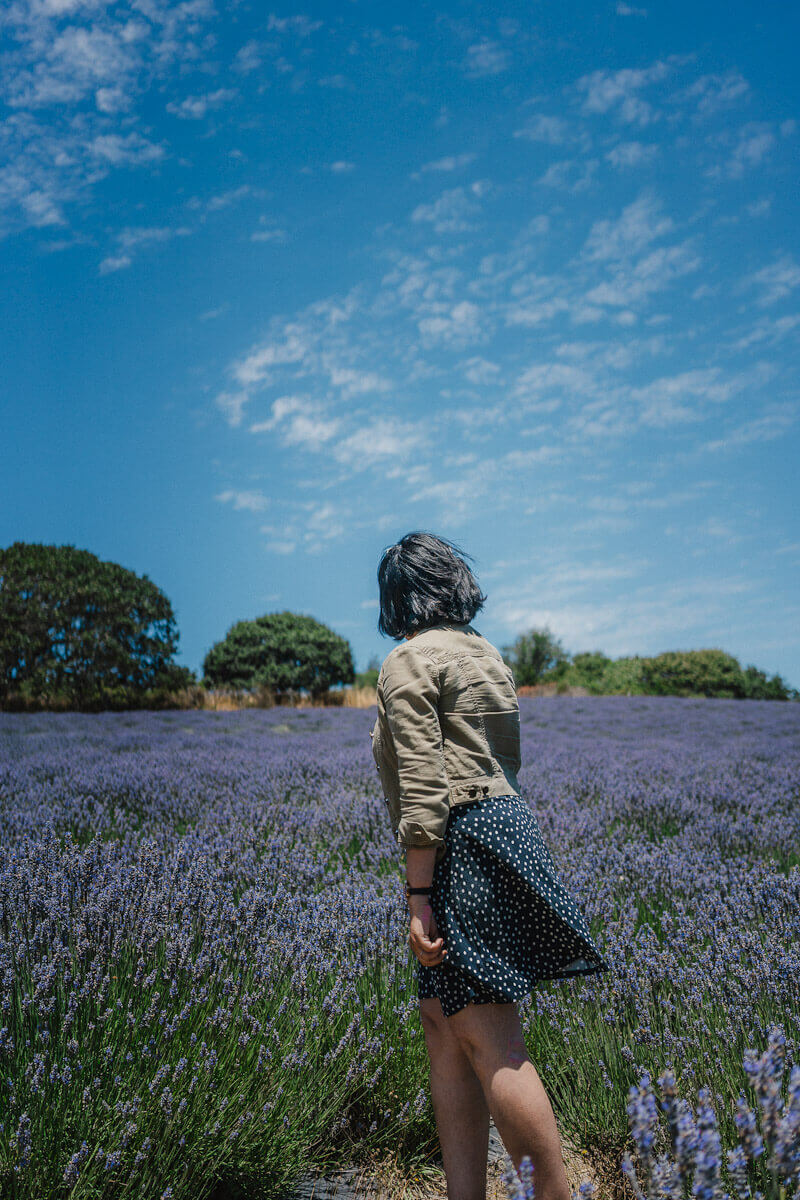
[382,1179]
[551,689]
[229,700]
[359,697]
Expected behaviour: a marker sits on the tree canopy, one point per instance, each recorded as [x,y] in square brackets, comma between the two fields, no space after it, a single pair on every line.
[283,651]
[89,632]
[535,654]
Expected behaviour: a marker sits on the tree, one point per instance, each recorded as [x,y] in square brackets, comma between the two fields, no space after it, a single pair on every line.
[369,676]
[591,665]
[758,687]
[283,651]
[694,672]
[90,632]
[535,654]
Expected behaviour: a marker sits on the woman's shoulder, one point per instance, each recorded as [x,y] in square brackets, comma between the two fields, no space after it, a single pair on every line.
[452,640]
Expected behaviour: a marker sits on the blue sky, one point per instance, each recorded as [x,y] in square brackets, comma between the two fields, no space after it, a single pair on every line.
[279,286]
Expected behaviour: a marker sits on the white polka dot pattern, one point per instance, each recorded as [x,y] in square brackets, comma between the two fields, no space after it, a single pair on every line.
[506,918]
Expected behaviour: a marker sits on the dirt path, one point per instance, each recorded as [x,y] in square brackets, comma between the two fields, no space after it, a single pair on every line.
[381,1180]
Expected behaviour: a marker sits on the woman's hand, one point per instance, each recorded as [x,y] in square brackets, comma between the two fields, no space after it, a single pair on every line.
[423,936]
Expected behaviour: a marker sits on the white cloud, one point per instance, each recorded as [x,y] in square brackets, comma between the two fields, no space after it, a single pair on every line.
[125,150]
[776,422]
[194,108]
[111,99]
[631,283]
[541,128]
[640,223]
[682,397]
[132,238]
[356,383]
[775,281]
[452,162]
[632,154]
[570,174]
[452,212]
[75,62]
[378,440]
[454,326]
[253,501]
[618,91]
[300,422]
[754,142]
[232,404]
[114,262]
[641,620]
[300,26]
[255,367]
[715,92]
[479,371]
[486,58]
[58,56]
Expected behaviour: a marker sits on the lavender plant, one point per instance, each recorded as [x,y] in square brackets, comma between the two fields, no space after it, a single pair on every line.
[204,968]
[679,1150]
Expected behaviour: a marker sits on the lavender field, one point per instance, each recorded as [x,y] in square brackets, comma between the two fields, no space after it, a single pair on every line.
[204,972]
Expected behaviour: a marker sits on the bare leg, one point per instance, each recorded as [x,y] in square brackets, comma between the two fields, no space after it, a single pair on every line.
[462,1117]
[491,1036]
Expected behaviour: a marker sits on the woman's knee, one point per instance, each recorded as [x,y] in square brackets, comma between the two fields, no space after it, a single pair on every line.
[439,1036]
[434,1022]
[490,1033]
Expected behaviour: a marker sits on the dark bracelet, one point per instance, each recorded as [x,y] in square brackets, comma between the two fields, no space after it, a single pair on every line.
[417,891]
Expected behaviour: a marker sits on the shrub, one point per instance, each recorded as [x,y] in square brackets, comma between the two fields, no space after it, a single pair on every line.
[694,672]
[284,652]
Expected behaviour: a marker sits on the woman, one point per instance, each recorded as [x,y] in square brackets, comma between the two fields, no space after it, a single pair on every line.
[489,916]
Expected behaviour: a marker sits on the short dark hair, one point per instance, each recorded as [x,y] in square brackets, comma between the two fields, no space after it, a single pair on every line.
[424,580]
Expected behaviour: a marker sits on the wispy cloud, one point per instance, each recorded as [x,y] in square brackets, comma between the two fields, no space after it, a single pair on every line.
[775,281]
[250,501]
[620,92]
[453,212]
[486,58]
[194,108]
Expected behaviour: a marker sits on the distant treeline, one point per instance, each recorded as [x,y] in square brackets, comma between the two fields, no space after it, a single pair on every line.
[80,633]
[538,657]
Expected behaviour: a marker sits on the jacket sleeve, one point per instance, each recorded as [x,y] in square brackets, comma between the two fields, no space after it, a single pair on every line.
[410,697]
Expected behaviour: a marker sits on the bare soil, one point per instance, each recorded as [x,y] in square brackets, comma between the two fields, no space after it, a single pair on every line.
[382,1179]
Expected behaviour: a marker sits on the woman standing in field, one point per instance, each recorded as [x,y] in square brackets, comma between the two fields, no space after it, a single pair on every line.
[489,916]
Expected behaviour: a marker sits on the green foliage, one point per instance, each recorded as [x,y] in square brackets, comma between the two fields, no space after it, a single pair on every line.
[758,687]
[602,676]
[710,673]
[368,677]
[694,672]
[675,673]
[591,665]
[89,634]
[282,651]
[535,654]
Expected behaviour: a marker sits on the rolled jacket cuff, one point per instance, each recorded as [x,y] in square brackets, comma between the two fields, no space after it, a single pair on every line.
[411,833]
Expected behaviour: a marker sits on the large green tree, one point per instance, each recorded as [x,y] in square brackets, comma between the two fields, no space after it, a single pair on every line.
[283,651]
[80,629]
[534,654]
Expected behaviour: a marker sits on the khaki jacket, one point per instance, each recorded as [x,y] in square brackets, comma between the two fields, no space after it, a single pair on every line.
[447,729]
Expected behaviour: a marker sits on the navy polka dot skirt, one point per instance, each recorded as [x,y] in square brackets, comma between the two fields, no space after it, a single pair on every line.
[506,919]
